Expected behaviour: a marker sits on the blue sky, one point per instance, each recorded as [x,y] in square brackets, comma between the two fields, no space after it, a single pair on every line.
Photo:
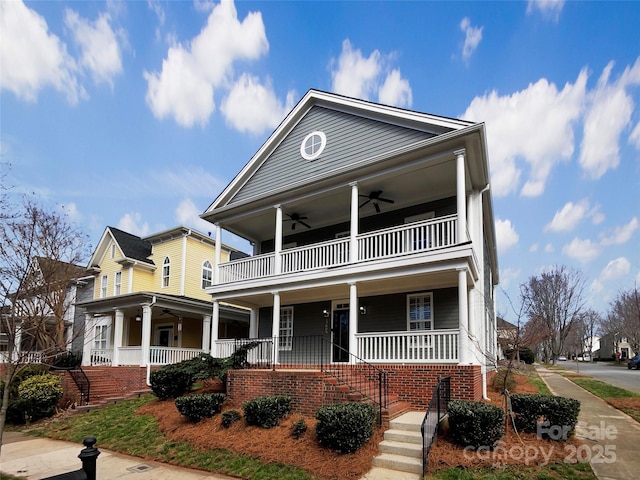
[137,114]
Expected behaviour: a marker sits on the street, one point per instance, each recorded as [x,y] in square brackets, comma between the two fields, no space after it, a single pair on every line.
[618,376]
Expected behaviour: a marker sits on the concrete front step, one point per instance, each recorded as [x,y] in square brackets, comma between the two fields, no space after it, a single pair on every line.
[379,473]
[398,462]
[411,421]
[412,450]
[405,436]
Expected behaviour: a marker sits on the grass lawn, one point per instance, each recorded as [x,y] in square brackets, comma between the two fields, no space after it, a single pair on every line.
[620,398]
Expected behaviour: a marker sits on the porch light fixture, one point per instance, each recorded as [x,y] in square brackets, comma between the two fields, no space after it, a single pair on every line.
[363,311]
[325,313]
[138,317]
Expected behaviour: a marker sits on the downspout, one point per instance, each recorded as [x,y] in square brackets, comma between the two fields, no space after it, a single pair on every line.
[147,362]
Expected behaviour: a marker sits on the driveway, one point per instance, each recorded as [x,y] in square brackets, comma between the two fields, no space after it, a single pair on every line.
[618,376]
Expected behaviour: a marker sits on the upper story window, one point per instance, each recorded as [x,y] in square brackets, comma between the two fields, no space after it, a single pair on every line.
[420,311]
[166,270]
[113,250]
[103,286]
[207,274]
[117,283]
[313,145]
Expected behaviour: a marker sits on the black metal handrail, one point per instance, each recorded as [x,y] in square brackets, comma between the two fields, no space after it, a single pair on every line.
[435,412]
[82,382]
[317,352]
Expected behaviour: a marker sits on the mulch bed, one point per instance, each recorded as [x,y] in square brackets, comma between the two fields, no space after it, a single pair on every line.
[276,445]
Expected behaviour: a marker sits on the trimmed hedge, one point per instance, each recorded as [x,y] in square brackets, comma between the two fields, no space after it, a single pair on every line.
[40,394]
[298,429]
[475,424]
[170,382]
[345,427]
[267,411]
[230,417]
[197,407]
[559,415]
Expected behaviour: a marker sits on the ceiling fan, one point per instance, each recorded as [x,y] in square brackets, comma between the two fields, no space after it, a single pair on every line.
[295,218]
[375,198]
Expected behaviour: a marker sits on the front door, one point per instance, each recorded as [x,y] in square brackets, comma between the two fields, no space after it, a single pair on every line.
[340,335]
[164,335]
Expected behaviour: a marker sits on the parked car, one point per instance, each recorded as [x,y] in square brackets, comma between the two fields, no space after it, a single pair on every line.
[562,358]
[634,363]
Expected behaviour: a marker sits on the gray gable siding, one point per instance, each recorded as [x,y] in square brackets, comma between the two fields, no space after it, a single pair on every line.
[350,139]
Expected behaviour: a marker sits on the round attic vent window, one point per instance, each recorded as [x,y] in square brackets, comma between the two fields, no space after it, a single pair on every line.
[313,145]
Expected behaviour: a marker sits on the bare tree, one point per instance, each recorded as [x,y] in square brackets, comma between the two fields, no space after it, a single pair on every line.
[39,255]
[623,317]
[555,299]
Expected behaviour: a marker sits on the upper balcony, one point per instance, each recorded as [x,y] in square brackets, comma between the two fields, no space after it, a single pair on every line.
[411,238]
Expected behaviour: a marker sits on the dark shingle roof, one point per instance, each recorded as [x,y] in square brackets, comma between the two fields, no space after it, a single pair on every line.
[132,246]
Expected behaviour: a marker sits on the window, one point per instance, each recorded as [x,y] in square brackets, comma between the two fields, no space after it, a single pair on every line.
[117,283]
[420,311]
[113,250]
[313,145]
[101,340]
[285,337]
[207,274]
[166,269]
[103,286]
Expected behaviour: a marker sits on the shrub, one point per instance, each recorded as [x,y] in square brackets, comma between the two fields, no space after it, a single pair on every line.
[170,382]
[266,411]
[298,429]
[230,417]
[345,427]
[16,412]
[68,360]
[197,407]
[475,424]
[40,394]
[502,381]
[557,416]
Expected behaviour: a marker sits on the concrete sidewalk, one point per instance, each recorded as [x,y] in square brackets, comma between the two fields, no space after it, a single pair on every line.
[611,438]
[36,458]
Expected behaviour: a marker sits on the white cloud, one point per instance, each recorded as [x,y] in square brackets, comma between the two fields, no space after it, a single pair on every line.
[567,218]
[551,9]
[581,250]
[32,58]
[506,235]
[395,90]
[71,211]
[534,248]
[534,125]
[184,89]
[622,234]
[187,214]
[185,180]
[548,248]
[132,223]
[361,77]
[99,47]
[253,107]
[473,36]
[615,269]
[508,275]
[634,138]
[608,114]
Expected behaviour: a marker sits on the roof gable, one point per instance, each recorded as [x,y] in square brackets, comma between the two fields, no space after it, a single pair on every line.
[131,246]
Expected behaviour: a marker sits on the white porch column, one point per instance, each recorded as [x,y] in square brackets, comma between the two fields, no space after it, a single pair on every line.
[461,201]
[17,343]
[218,255]
[118,329]
[215,327]
[146,335]
[87,342]
[275,327]
[353,320]
[463,314]
[206,333]
[353,243]
[277,262]
[253,323]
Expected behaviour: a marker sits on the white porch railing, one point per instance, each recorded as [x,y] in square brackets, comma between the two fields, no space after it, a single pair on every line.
[261,354]
[168,355]
[319,255]
[101,356]
[409,238]
[439,346]
[247,268]
[404,239]
[23,357]
[129,355]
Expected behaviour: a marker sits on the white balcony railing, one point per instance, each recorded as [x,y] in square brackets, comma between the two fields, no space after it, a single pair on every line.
[22,357]
[438,346]
[400,240]
[101,356]
[129,355]
[168,355]
[260,354]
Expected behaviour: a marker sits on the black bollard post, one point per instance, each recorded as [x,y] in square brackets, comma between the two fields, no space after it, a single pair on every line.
[88,456]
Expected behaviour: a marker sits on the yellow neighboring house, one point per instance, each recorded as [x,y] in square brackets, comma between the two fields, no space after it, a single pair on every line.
[150,305]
